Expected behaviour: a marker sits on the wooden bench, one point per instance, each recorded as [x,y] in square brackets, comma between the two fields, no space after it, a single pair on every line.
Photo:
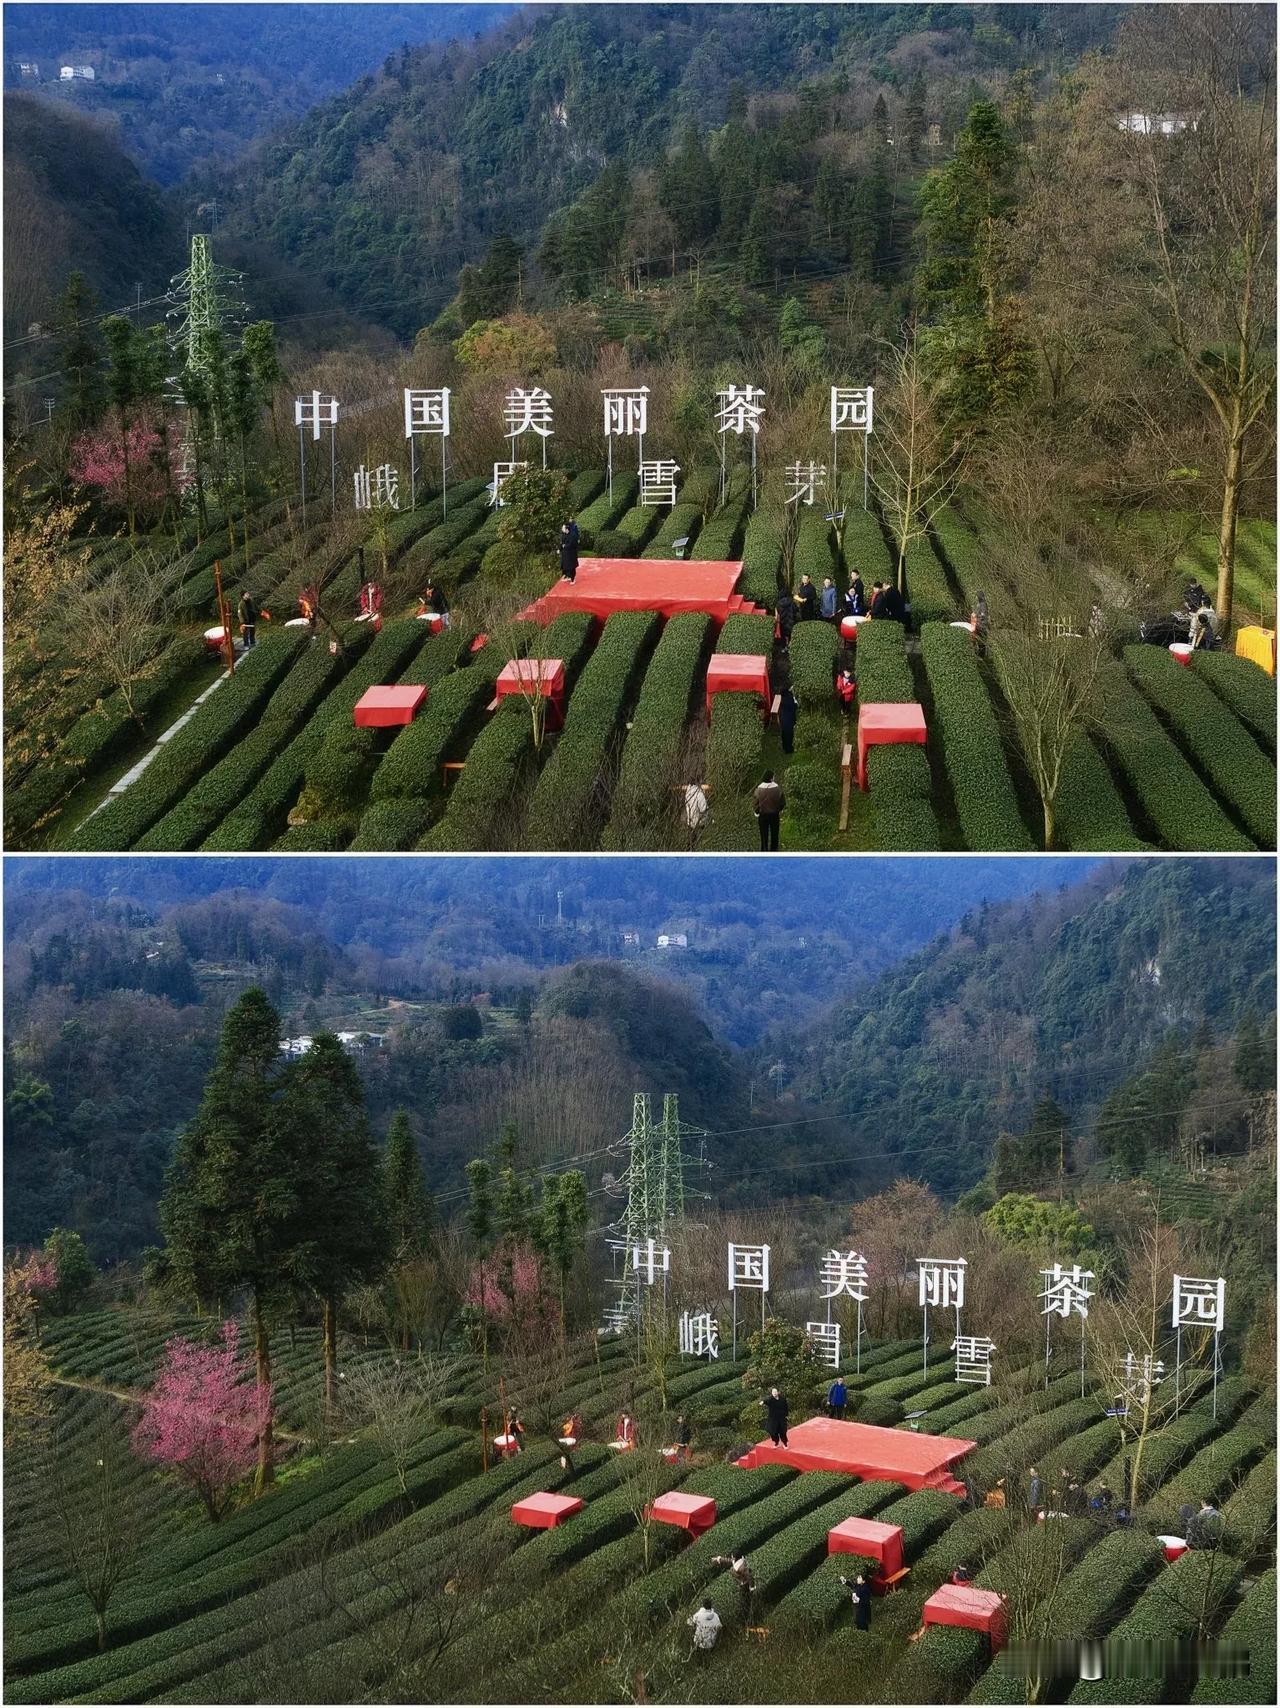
[493,705]
[890,1581]
[846,774]
[758,1633]
[776,706]
[451,768]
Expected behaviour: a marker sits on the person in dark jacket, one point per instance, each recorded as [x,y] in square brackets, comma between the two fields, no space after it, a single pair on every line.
[248,620]
[432,603]
[742,1575]
[569,549]
[767,804]
[787,709]
[860,1590]
[837,1397]
[827,600]
[1205,1529]
[1035,1491]
[855,598]
[806,599]
[786,615]
[892,604]
[775,1411]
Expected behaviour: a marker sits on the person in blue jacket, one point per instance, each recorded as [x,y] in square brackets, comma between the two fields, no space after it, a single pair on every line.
[837,1397]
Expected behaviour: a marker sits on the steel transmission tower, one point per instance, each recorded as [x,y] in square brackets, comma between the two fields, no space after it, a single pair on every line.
[654,1182]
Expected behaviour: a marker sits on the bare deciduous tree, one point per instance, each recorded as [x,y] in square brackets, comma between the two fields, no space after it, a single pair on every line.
[393,1402]
[121,619]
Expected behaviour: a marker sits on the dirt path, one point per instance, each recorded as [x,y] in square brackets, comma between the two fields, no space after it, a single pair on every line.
[127,1397]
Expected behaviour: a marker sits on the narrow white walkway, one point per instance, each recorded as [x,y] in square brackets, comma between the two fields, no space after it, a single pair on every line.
[131,776]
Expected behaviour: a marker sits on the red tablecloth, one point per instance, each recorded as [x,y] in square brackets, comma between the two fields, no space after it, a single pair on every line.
[1174,1548]
[545,1511]
[690,1511]
[879,1542]
[738,673]
[975,1609]
[885,722]
[528,676]
[380,708]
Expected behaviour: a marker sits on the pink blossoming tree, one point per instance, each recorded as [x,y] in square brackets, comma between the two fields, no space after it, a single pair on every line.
[511,1290]
[154,474]
[202,1419]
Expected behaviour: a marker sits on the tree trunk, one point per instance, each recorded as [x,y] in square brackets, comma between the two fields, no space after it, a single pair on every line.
[1225,595]
[330,1357]
[266,1473]
[128,470]
[100,1621]
[1047,802]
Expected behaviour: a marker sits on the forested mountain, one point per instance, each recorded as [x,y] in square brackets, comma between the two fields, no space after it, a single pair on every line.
[182,83]
[1123,996]
[1132,970]
[384,190]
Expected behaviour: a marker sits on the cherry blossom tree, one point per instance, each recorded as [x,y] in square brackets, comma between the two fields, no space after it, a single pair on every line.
[203,1417]
[154,466]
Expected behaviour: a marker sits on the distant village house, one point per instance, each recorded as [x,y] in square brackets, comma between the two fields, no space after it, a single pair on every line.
[69,73]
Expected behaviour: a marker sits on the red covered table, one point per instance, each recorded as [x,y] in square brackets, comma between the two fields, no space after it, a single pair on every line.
[529,676]
[883,722]
[691,1512]
[974,1609]
[545,1511]
[879,1542]
[738,673]
[381,708]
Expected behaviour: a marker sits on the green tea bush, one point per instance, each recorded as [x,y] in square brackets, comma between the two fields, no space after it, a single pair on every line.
[986,804]
[1223,750]
[1253,1627]
[684,522]
[220,722]
[762,548]
[1246,688]
[928,594]
[604,513]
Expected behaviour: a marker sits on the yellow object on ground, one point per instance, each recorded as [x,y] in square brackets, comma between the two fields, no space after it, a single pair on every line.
[1259,645]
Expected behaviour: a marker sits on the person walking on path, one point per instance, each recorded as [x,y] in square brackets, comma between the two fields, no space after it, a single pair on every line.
[742,1575]
[248,620]
[860,1590]
[787,710]
[1035,1490]
[767,804]
[706,1627]
[775,1411]
[785,611]
[837,1397]
[806,598]
[569,549]
[1205,1528]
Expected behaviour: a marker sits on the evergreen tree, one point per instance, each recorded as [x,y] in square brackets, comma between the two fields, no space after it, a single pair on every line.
[480,1227]
[123,380]
[735,103]
[1255,1060]
[229,1212]
[411,1210]
[913,118]
[756,252]
[79,354]
[829,197]
[343,1235]
[880,121]
[688,190]
[561,1224]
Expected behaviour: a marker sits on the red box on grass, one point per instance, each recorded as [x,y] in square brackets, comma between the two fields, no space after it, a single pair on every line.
[692,1512]
[545,1511]
[383,708]
[879,1542]
[973,1609]
[883,722]
[737,673]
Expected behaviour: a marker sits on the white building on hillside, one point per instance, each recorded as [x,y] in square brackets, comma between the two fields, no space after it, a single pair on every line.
[69,73]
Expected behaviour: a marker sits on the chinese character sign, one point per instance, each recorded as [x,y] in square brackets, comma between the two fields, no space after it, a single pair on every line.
[626,413]
[1066,1290]
[502,473]
[1199,1304]
[1138,1376]
[648,1261]
[658,482]
[315,412]
[826,1342]
[528,412]
[749,1267]
[973,1358]
[699,1334]
[844,1272]
[739,411]
[942,1282]
[377,489]
[426,412]
[802,481]
[851,408]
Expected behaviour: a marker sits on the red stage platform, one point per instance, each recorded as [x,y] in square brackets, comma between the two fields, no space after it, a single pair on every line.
[971,1609]
[608,584]
[865,1450]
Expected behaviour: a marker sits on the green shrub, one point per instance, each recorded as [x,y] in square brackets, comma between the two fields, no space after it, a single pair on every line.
[223,718]
[571,794]
[901,786]
[814,648]
[652,749]
[821,1599]
[215,794]
[1223,750]
[603,514]
[735,750]
[490,786]
[986,804]
[684,522]
[1250,1512]
[1089,813]
[723,531]
[1213,1473]
[862,540]
[762,557]
[1183,812]
[1246,688]
[260,816]
[1192,1590]
[634,530]
[962,549]
[928,594]
[1253,1626]
[814,553]
[880,665]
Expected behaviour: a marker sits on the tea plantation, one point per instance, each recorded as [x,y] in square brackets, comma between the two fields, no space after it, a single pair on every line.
[592,1609]
[1175,758]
